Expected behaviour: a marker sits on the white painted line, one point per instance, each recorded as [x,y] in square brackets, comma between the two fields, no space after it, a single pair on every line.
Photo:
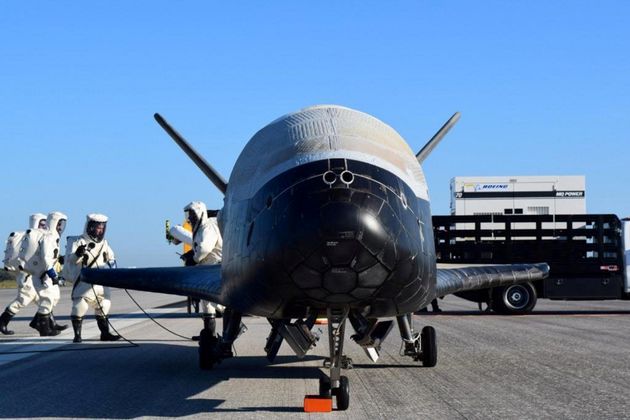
[31,345]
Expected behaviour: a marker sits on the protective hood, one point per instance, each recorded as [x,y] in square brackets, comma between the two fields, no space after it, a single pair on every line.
[56,222]
[94,220]
[34,219]
[197,211]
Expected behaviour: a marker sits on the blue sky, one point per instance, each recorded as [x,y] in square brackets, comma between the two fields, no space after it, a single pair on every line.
[543,88]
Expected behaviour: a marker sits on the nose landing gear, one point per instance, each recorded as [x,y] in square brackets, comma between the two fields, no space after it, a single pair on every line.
[335,385]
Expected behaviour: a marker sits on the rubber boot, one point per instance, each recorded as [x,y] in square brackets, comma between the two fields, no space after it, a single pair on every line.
[54,324]
[33,323]
[103,325]
[76,326]
[5,318]
[44,326]
[209,325]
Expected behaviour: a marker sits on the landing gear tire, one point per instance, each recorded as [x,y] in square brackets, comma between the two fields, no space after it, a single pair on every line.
[515,299]
[428,347]
[324,387]
[207,345]
[342,394]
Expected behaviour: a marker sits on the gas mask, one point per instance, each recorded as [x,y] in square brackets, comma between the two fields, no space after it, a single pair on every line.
[96,230]
[61,226]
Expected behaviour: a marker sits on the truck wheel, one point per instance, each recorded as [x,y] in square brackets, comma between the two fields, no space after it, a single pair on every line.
[514,299]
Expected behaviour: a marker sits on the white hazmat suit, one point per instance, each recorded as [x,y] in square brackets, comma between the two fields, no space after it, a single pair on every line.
[43,246]
[181,234]
[90,250]
[25,290]
[207,248]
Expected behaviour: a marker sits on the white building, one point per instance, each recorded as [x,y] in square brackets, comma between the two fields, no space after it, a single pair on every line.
[518,195]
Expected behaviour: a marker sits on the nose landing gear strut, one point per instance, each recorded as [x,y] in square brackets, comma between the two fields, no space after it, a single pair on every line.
[335,385]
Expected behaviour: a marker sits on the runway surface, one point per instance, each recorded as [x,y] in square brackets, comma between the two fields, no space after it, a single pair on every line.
[566,360]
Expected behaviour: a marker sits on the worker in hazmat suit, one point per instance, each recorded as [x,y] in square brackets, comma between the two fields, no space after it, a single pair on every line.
[25,289]
[40,254]
[90,250]
[207,249]
[176,235]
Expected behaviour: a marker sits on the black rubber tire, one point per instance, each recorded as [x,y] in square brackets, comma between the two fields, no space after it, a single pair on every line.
[428,346]
[207,343]
[516,299]
[342,394]
[324,387]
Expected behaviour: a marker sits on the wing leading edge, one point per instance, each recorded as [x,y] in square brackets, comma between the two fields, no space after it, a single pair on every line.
[462,278]
[203,282]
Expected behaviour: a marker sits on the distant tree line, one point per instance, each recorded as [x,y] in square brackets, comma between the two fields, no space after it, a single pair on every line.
[6,275]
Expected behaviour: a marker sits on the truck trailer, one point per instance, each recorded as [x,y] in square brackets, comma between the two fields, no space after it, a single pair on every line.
[588,255]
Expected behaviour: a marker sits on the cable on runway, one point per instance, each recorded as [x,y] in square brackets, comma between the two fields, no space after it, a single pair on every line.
[130,343]
[152,319]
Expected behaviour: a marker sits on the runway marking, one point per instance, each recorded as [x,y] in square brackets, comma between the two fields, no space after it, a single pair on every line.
[32,345]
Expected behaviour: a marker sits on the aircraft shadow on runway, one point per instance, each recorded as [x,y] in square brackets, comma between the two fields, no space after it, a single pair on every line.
[150,380]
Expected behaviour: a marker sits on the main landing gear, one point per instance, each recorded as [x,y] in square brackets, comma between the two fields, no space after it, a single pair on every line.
[421,347]
[215,348]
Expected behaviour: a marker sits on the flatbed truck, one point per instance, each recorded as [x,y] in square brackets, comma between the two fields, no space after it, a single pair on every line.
[588,255]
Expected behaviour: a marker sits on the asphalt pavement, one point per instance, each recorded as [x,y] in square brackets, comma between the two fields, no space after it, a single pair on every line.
[566,360]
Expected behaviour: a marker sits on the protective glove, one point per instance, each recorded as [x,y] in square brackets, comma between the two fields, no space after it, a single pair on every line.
[80,251]
[52,274]
[188,258]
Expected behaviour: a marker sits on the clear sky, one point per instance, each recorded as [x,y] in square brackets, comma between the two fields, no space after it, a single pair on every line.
[543,88]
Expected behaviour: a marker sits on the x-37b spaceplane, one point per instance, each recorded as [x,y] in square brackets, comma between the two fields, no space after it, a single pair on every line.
[326,214]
